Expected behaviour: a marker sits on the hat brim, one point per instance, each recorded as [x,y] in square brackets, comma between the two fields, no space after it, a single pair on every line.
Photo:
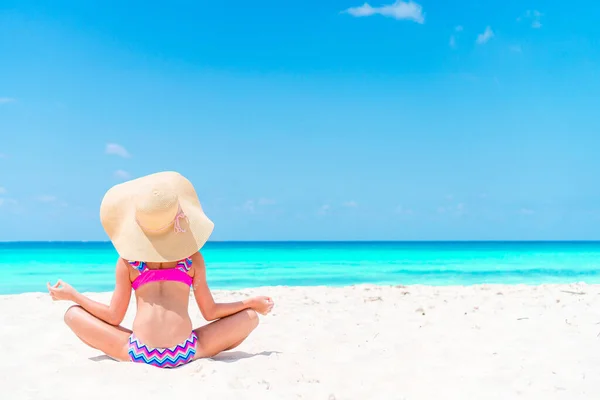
[117,214]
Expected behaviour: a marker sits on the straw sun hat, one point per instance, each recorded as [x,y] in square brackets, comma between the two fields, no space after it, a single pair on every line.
[155,218]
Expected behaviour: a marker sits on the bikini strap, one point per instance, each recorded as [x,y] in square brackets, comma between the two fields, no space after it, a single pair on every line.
[185,265]
[138,265]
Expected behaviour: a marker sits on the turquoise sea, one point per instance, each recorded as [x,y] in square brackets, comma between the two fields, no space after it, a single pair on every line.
[89,266]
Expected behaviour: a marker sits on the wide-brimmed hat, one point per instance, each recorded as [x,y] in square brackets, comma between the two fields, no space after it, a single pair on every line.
[155,218]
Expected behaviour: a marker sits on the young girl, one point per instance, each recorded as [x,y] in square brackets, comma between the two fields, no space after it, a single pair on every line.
[157,226]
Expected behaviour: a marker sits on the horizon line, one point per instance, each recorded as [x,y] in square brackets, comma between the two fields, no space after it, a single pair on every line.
[342,241]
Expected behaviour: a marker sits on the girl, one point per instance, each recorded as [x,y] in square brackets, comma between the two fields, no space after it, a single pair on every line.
[157,226]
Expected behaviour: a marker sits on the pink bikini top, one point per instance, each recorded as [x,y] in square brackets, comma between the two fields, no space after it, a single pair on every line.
[177,274]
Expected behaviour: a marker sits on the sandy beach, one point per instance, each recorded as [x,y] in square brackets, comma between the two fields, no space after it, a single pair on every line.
[360,342]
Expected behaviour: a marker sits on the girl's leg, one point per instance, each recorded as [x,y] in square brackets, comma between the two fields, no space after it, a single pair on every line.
[225,333]
[111,340]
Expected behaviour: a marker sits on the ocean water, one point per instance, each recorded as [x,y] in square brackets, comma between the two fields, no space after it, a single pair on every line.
[89,266]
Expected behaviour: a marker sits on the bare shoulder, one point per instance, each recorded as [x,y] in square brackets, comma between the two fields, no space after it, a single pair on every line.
[122,264]
[198,262]
[197,259]
[124,270]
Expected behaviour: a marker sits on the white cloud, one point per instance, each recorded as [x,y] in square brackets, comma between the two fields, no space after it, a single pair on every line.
[249,206]
[350,204]
[47,198]
[266,202]
[453,37]
[452,41]
[324,209]
[458,209]
[398,10]
[6,100]
[2,190]
[484,37]
[117,150]
[403,210]
[534,16]
[516,48]
[256,206]
[11,204]
[122,174]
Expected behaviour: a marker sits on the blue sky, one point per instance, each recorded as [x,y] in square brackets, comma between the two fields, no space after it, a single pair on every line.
[314,120]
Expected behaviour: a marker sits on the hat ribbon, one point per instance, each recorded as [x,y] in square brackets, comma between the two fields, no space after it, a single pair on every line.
[179,215]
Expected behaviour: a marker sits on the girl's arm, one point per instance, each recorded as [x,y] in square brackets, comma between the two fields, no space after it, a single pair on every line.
[211,310]
[112,314]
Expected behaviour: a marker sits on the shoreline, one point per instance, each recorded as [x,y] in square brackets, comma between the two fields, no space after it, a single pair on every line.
[354,342]
[365,286]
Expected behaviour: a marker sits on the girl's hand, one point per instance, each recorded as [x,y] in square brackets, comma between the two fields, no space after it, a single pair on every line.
[61,291]
[262,304]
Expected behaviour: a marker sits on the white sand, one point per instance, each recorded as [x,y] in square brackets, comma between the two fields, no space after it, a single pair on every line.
[365,342]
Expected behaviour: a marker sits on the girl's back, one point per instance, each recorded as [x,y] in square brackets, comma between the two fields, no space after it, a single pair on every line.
[162,318]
